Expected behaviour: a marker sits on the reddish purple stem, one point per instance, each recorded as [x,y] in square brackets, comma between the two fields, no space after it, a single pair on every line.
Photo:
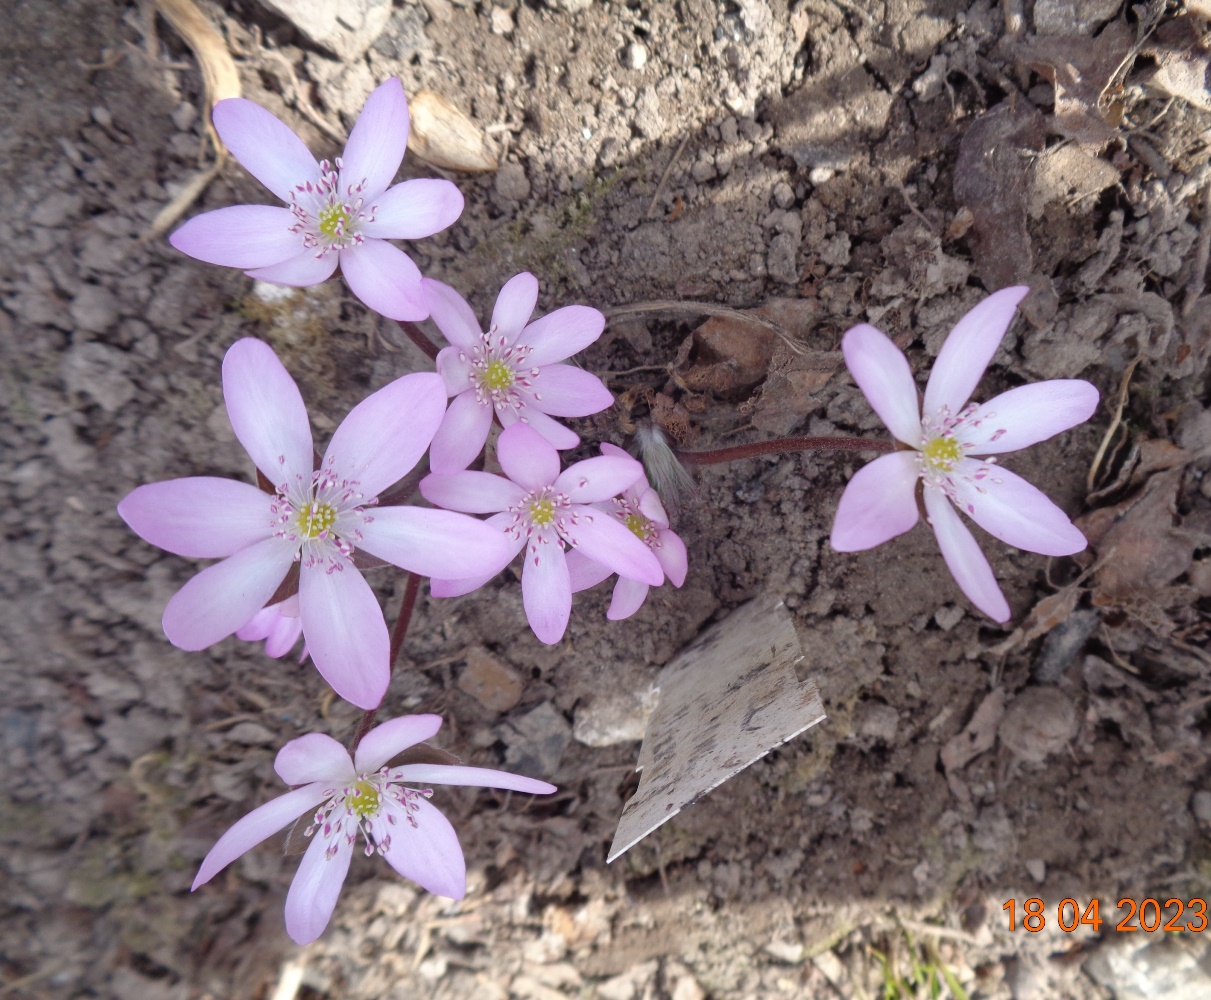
[781,446]
[419,338]
[411,587]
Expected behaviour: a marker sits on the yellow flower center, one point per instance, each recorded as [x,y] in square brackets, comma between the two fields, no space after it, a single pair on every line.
[942,453]
[498,376]
[364,799]
[315,519]
[334,221]
[542,512]
[640,526]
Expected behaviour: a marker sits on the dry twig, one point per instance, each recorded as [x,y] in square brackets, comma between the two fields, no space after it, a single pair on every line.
[1096,466]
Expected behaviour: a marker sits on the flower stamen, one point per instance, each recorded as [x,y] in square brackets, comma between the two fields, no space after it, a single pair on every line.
[316,519]
[942,453]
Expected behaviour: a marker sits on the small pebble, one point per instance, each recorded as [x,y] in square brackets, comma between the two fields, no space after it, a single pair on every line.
[635,56]
[184,117]
[1201,806]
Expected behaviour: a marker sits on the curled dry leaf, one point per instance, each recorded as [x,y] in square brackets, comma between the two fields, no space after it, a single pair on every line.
[445,137]
[221,80]
[979,735]
[739,345]
[993,180]
[219,74]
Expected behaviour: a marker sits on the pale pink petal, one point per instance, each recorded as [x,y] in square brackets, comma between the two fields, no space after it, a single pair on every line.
[259,625]
[301,271]
[964,559]
[225,596]
[267,412]
[568,391]
[278,624]
[1027,415]
[611,543]
[462,434]
[527,457]
[265,146]
[883,375]
[1009,508]
[314,757]
[450,312]
[394,736]
[879,503]
[202,517]
[345,633]
[514,305]
[376,145]
[436,543]
[428,853]
[240,236]
[562,333]
[284,632]
[454,366]
[968,349]
[471,492]
[316,887]
[546,591]
[457,588]
[613,450]
[583,573]
[628,597]
[555,433]
[385,435]
[477,777]
[414,209]
[385,279]
[596,479]
[649,504]
[673,558]
[257,826]
[280,631]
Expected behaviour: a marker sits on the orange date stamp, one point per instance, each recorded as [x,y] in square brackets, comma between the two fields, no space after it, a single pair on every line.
[1147,915]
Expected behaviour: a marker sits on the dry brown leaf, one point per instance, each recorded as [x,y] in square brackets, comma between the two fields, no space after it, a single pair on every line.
[1183,55]
[789,392]
[1142,550]
[732,354]
[1087,75]
[1051,611]
[445,137]
[993,179]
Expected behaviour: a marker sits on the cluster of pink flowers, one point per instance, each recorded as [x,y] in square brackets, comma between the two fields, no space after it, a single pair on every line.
[288,556]
[288,564]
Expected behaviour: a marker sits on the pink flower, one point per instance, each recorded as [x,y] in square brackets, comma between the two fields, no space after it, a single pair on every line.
[341,212]
[541,509]
[512,370]
[279,625]
[361,795]
[943,437]
[640,509]
[317,517]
